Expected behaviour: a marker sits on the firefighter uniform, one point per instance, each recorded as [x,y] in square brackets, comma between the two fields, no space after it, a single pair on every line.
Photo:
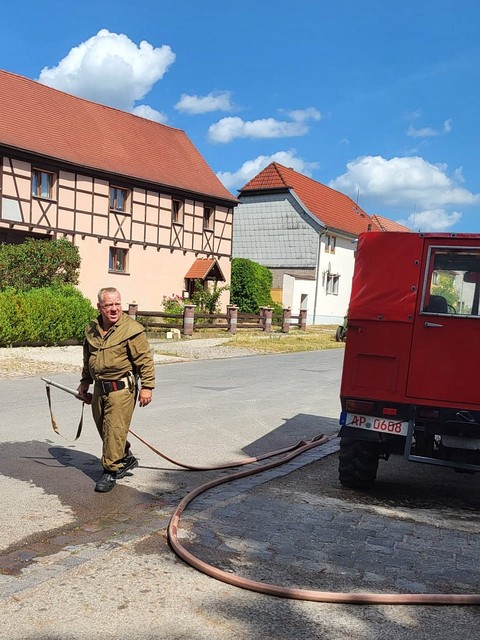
[113,361]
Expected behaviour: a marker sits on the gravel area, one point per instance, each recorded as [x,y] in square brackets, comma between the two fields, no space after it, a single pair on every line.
[23,362]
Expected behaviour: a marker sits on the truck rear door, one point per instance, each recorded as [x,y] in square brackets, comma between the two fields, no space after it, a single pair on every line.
[445,352]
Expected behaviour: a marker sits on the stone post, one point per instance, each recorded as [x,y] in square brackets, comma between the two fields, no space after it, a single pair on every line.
[267,313]
[232,313]
[188,319]
[287,315]
[132,310]
[302,319]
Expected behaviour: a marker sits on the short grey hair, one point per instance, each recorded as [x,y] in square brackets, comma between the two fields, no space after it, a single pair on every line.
[105,290]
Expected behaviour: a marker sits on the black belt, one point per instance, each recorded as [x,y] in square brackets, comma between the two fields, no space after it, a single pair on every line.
[113,385]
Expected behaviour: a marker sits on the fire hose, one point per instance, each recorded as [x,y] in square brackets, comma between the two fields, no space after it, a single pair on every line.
[283,455]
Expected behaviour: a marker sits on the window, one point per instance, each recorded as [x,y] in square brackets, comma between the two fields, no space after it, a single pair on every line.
[330,243]
[208,217]
[177,211]
[43,183]
[118,260]
[118,199]
[453,284]
[332,283]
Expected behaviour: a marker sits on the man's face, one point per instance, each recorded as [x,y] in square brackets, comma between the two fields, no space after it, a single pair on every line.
[110,309]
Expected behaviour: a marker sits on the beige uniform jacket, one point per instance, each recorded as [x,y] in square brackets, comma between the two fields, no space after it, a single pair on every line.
[123,348]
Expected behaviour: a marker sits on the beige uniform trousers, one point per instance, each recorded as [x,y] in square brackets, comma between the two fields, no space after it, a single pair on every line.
[113,414]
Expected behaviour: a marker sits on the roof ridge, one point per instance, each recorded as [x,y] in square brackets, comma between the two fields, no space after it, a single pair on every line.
[332,208]
[325,186]
[39,119]
[277,166]
[73,96]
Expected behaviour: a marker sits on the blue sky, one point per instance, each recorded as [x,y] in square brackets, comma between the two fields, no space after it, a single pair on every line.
[376,98]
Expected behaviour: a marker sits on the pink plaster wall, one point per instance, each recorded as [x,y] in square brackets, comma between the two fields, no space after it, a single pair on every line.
[80,211]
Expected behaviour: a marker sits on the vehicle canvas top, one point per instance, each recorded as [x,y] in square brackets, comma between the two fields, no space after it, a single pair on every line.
[387,269]
[413,319]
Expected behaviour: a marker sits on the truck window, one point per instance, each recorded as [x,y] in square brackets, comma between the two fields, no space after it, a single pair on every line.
[452,284]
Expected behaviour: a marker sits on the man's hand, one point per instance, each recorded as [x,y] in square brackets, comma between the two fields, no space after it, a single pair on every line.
[144,397]
[83,394]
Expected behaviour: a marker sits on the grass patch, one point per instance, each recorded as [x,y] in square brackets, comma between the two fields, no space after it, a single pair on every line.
[314,339]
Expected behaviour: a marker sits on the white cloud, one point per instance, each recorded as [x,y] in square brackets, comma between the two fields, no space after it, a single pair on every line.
[429,132]
[250,168]
[111,69]
[431,220]
[447,126]
[404,185]
[403,182]
[425,132]
[301,115]
[227,129]
[215,101]
[413,115]
[144,111]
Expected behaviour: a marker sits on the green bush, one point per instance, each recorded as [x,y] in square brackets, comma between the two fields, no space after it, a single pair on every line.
[38,264]
[251,284]
[174,305]
[207,300]
[47,316]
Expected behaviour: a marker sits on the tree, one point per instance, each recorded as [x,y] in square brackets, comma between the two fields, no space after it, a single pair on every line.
[38,263]
[445,286]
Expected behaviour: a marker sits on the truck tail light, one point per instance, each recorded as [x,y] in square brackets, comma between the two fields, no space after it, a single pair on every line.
[359,406]
[390,411]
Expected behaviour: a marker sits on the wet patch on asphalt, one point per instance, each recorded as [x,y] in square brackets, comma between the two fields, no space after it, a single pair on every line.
[69,475]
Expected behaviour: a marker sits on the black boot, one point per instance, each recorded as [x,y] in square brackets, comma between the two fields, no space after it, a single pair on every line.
[106,482]
[129,463]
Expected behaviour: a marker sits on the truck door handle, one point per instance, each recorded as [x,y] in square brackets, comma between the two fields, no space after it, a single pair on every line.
[432,325]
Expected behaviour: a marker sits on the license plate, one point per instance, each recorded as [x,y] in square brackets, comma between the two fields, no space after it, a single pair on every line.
[370,423]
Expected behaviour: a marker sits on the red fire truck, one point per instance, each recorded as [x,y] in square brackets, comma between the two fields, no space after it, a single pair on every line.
[410,384]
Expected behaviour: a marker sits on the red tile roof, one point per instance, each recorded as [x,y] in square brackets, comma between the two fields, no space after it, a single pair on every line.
[202,267]
[332,208]
[41,120]
[389,225]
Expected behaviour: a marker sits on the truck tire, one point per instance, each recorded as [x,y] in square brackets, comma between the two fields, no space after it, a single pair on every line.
[357,463]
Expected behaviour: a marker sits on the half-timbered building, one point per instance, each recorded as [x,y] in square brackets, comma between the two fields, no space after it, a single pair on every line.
[136,197]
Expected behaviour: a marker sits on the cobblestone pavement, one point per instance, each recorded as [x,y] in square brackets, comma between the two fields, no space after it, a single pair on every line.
[309,529]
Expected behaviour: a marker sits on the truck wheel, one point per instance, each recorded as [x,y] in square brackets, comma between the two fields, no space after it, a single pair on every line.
[358,463]
[340,334]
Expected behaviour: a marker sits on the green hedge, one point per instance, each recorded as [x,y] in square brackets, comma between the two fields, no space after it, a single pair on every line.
[47,316]
[251,285]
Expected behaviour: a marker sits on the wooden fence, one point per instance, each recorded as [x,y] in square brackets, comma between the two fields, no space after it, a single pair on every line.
[188,321]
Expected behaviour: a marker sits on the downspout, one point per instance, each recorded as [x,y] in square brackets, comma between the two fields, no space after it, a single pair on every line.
[317,276]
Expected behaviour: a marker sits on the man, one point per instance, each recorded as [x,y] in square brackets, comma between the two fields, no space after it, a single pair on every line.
[116,353]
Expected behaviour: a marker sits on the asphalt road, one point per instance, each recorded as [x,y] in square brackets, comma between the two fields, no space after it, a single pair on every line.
[77,565]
